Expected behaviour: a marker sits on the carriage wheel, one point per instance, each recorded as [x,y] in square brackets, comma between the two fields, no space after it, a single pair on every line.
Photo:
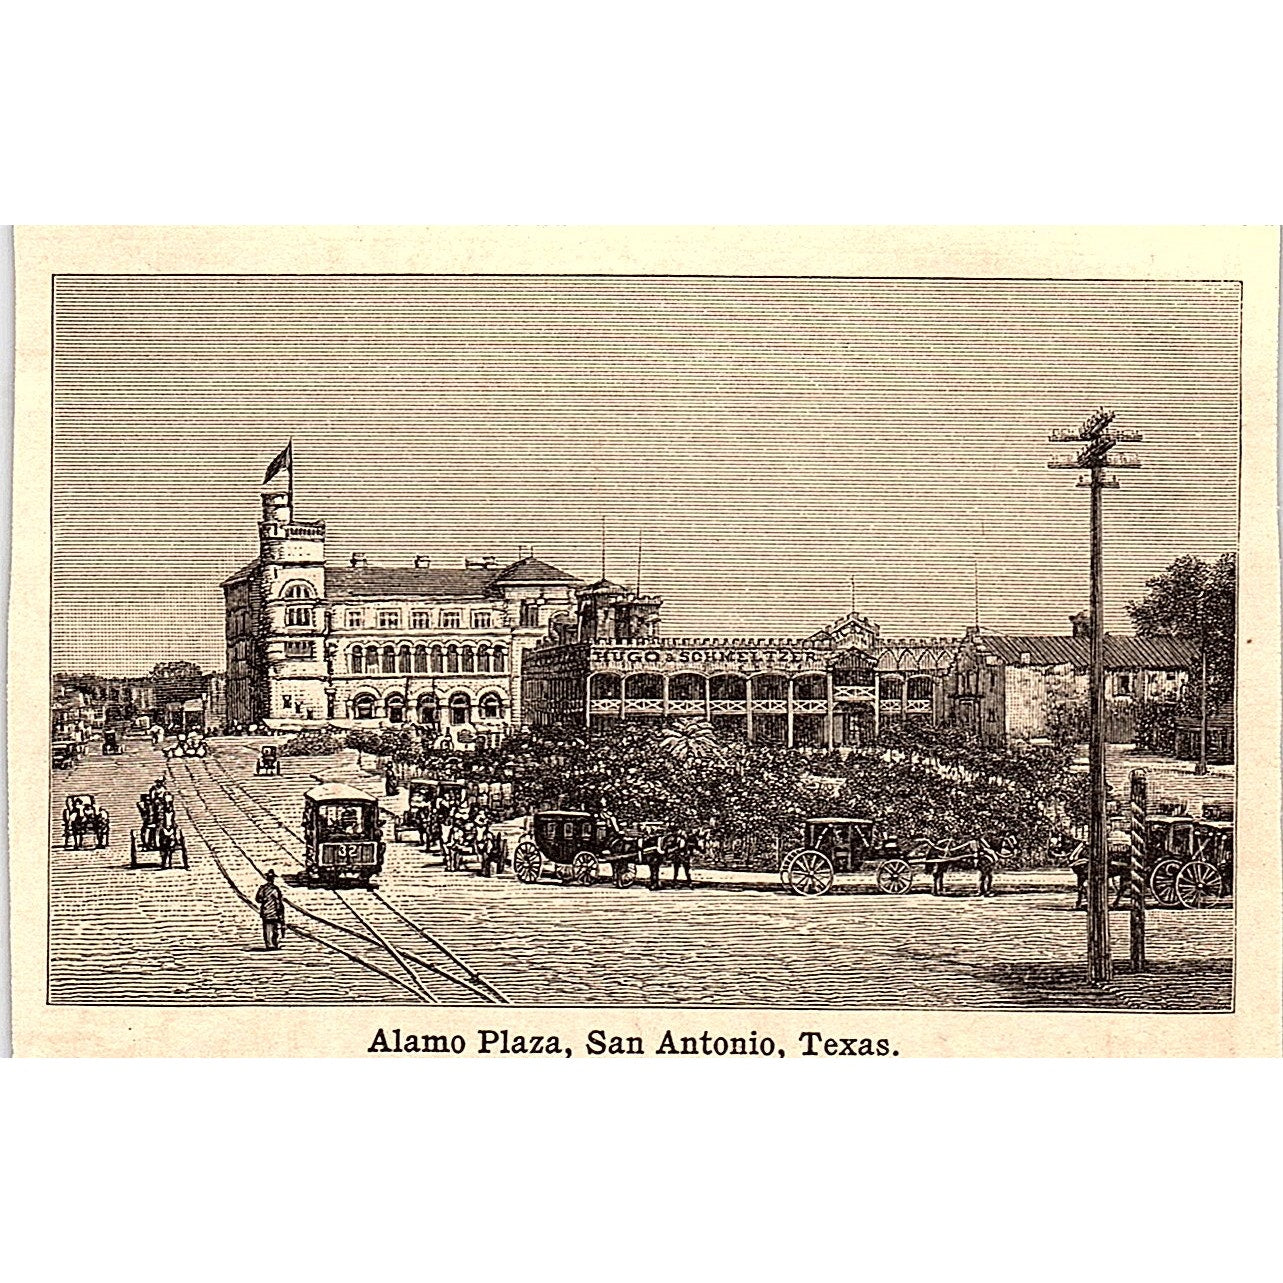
[104,833]
[133,849]
[526,862]
[895,876]
[1162,882]
[1198,884]
[625,874]
[810,873]
[584,868]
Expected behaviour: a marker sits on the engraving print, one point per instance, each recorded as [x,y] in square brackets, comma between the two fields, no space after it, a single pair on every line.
[643,641]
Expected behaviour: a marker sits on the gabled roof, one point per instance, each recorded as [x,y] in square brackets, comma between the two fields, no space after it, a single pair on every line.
[1122,651]
[530,570]
[603,586]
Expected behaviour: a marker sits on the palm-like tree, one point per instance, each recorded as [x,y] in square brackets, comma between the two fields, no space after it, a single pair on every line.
[689,739]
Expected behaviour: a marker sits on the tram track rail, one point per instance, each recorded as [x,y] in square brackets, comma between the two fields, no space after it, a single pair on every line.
[228,782]
[411,963]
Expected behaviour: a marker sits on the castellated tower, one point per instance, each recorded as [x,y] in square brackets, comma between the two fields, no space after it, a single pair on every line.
[293,624]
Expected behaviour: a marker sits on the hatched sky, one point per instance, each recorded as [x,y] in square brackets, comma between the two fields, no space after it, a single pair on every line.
[771,438]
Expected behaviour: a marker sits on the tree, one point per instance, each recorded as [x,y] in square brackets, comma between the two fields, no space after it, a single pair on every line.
[689,739]
[1195,600]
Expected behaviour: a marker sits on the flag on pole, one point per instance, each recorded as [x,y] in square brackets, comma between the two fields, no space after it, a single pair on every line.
[284,462]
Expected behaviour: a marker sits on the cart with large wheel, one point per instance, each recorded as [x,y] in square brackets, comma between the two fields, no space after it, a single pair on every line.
[843,844]
[159,832]
[269,761]
[1190,861]
[574,844]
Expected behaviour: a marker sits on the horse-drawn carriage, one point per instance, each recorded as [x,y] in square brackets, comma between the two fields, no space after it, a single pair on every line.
[428,805]
[342,835]
[575,843]
[112,741]
[82,817]
[843,844]
[1191,861]
[65,754]
[269,761]
[159,831]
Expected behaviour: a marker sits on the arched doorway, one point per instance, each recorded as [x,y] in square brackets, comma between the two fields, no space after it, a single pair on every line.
[427,712]
[363,708]
[395,706]
[460,709]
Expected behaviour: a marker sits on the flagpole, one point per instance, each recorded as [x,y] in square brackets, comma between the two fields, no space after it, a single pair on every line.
[291,450]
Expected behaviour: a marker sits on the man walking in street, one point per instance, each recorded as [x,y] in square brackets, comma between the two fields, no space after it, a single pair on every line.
[271,907]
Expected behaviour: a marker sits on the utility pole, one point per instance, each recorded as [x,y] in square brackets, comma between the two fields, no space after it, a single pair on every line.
[1201,768]
[1094,458]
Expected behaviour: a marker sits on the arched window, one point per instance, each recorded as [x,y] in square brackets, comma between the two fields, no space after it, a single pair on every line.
[437,665]
[490,705]
[483,659]
[403,660]
[395,705]
[371,659]
[297,591]
[420,659]
[363,707]
[469,660]
[427,710]
[605,685]
[452,659]
[460,709]
[389,659]
[919,688]
[500,659]
[355,660]
[298,616]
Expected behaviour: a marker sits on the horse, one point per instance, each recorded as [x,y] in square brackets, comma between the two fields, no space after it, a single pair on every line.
[987,859]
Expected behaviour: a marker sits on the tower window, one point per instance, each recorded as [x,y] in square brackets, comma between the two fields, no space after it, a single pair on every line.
[298,617]
[300,650]
[530,614]
[297,591]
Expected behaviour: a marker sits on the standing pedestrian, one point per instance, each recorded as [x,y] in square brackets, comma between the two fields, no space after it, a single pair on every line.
[271,908]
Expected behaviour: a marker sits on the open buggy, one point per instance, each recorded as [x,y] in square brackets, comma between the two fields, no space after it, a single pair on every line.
[342,835]
[83,818]
[112,744]
[269,761]
[573,844]
[158,831]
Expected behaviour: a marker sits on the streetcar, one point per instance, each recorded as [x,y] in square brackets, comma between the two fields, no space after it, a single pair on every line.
[342,835]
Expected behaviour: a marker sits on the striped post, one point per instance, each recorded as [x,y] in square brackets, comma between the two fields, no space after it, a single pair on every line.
[1136,871]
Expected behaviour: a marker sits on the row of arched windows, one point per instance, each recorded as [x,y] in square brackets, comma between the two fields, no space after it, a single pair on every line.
[395,707]
[731,686]
[424,659]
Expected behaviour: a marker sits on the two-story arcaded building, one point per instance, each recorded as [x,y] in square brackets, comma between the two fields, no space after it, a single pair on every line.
[837,687]
[355,644]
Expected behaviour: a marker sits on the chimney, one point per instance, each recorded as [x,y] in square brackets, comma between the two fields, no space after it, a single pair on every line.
[481,563]
[359,561]
[423,563]
[1081,624]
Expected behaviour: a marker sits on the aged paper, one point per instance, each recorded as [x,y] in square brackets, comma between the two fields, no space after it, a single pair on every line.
[595,642]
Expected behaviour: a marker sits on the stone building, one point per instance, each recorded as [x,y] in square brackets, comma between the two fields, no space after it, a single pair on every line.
[836,687]
[354,644]
[1014,686]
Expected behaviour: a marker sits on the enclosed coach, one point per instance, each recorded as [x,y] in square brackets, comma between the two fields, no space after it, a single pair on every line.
[342,833]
